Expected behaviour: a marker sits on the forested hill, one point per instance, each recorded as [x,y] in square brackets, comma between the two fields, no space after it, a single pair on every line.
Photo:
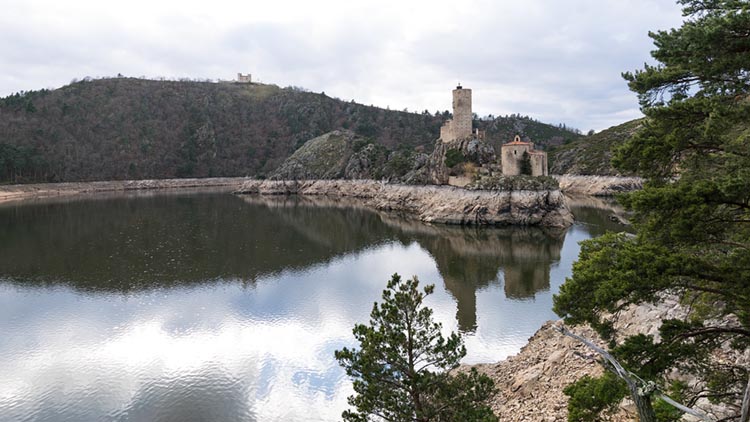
[127,128]
[591,155]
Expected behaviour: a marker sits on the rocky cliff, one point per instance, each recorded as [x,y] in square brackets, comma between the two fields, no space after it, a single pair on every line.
[342,154]
[598,185]
[436,204]
[530,384]
[450,158]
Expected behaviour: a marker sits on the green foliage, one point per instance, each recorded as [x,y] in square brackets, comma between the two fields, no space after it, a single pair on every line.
[401,369]
[693,236]
[588,397]
[510,183]
[526,164]
[454,157]
[399,163]
[664,411]
[22,164]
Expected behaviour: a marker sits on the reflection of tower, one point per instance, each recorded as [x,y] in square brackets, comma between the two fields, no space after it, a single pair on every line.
[463,277]
[470,260]
[523,280]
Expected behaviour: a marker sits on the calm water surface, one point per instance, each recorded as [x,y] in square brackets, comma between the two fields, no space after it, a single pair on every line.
[213,307]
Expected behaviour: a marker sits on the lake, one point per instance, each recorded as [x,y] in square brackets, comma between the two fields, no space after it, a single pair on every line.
[206,306]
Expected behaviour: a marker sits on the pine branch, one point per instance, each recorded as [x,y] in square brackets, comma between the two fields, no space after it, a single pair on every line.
[634,383]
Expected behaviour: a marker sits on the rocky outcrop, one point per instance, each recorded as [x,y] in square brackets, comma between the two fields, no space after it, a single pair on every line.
[530,384]
[436,204]
[470,150]
[598,185]
[324,157]
[342,154]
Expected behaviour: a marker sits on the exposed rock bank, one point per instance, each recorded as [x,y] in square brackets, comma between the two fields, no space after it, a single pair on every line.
[46,190]
[435,204]
[598,185]
[530,384]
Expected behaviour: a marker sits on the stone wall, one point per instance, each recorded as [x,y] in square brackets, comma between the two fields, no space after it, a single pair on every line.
[538,163]
[511,157]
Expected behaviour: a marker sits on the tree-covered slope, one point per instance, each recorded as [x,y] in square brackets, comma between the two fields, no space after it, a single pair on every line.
[591,155]
[125,128]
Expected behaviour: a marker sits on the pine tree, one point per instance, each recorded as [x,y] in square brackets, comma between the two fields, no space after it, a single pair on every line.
[692,217]
[400,370]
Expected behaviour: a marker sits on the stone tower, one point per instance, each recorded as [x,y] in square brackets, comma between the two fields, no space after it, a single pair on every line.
[462,112]
[460,126]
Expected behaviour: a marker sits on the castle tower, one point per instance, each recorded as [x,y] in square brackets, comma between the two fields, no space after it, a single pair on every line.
[462,115]
[460,126]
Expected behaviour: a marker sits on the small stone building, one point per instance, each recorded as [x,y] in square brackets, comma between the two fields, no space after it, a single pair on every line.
[512,156]
[244,79]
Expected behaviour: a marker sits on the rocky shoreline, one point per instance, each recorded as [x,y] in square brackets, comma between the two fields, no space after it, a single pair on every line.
[530,384]
[47,190]
[597,185]
[432,203]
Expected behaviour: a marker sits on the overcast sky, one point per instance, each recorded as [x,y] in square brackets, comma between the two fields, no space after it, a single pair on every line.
[556,61]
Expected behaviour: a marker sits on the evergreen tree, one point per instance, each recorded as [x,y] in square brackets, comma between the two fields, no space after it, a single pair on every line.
[401,369]
[693,215]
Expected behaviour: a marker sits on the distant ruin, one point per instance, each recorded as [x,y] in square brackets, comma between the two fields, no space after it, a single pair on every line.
[244,79]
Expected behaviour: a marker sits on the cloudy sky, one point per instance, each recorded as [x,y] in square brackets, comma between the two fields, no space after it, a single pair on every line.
[556,61]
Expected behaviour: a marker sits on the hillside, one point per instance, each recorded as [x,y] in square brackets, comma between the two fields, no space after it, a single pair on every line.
[127,128]
[591,155]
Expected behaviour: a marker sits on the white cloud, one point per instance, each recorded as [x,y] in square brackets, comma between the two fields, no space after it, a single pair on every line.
[555,61]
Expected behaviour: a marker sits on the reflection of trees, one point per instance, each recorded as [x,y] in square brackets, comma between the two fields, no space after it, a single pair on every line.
[470,259]
[596,212]
[118,244]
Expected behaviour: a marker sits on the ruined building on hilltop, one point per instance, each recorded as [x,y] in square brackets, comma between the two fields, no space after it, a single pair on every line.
[460,127]
[519,154]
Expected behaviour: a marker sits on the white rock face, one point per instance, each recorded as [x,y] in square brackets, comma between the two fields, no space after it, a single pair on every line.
[598,185]
[436,204]
[530,384]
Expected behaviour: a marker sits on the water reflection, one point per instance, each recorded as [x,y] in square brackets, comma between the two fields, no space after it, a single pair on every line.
[470,259]
[215,307]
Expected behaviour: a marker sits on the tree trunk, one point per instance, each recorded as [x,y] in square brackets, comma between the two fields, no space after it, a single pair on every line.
[643,404]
